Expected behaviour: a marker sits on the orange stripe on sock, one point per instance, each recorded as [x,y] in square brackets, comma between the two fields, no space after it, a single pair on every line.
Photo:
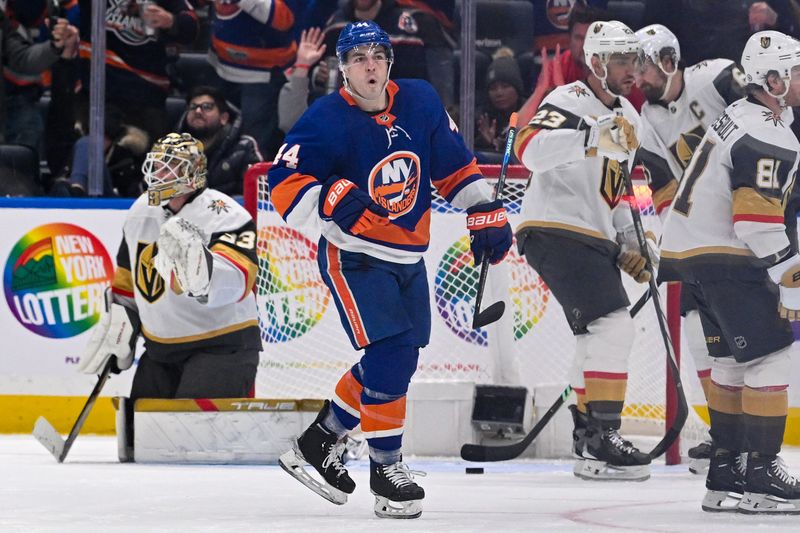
[348,390]
[384,416]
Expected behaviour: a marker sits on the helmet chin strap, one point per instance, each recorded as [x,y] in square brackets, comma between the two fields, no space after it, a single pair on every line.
[780,97]
[603,81]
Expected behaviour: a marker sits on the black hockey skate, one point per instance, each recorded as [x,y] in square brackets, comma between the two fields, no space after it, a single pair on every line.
[768,487]
[321,449]
[724,481]
[700,458]
[396,493]
[580,420]
[609,457]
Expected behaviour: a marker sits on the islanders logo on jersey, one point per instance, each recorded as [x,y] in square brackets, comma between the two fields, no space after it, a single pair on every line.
[394,182]
[558,13]
[55,279]
[226,10]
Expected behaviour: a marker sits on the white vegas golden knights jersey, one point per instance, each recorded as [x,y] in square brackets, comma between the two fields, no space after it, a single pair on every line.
[570,193]
[171,320]
[672,132]
[729,208]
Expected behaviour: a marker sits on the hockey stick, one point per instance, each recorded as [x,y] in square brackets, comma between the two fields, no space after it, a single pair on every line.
[480,453]
[683,409]
[496,310]
[51,439]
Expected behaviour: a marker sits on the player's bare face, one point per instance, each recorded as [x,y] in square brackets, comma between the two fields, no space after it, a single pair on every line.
[651,80]
[620,73]
[367,71]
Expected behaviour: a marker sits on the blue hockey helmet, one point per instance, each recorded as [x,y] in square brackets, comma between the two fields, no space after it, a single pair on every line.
[361,33]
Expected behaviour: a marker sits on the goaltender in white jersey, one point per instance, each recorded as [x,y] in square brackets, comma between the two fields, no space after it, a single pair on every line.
[186,269]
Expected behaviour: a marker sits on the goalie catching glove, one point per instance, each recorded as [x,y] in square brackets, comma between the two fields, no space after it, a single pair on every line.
[630,259]
[786,275]
[611,136]
[350,208]
[489,231]
[183,257]
[113,336]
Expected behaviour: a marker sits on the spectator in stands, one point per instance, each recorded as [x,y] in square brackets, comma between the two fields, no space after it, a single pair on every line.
[504,89]
[137,35]
[210,119]
[24,57]
[733,22]
[24,123]
[568,66]
[422,47]
[251,43]
[124,147]
[293,100]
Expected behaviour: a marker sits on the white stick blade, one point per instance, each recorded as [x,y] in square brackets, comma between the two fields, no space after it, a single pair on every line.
[49,437]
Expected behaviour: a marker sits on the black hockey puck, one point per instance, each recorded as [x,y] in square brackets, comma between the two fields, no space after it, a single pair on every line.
[474,470]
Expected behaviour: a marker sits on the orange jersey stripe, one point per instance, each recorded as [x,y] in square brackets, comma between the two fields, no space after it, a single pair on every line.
[282,17]
[112,59]
[346,297]
[286,191]
[254,57]
[447,185]
[396,235]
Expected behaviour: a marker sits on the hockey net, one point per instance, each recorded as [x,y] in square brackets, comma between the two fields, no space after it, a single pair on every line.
[306,350]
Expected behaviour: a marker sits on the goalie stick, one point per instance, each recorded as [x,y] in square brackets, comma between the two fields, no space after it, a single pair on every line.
[496,310]
[51,439]
[480,453]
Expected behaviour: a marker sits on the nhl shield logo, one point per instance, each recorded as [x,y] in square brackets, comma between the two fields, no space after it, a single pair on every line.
[765,42]
[741,342]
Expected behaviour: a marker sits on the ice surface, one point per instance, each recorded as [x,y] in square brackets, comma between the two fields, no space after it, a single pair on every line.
[92,492]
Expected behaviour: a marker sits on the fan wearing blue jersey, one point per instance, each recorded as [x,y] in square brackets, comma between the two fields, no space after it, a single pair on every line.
[359,166]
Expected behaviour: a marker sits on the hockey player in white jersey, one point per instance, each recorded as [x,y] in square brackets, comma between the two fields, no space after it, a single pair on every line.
[185,273]
[725,234]
[578,232]
[681,104]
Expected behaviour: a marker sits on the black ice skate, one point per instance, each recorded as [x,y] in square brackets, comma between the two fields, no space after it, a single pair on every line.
[321,449]
[396,493]
[769,489]
[700,458]
[579,432]
[724,481]
[609,457]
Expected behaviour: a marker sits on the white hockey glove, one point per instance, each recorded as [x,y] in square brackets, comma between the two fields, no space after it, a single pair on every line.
[609,136]
[114,336]
[630,258]
[786,275]
[183,257]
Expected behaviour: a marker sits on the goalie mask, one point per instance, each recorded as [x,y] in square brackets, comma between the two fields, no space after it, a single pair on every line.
[175,165]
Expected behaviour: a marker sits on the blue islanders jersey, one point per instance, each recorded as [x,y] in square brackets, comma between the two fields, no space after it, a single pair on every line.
[396,155]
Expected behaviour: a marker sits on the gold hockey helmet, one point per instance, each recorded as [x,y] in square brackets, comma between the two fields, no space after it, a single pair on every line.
[174,166]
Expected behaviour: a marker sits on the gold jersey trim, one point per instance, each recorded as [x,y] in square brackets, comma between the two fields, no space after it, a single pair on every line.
[203,336]
[706,250]
[562,226]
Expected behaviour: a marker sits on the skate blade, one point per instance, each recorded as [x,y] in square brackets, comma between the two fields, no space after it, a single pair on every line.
[719,501]
[386,508]
[593,470]
[293,465]
[699,466]
[753,503]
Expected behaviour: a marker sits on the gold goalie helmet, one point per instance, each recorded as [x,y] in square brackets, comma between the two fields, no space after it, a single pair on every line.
[175,165]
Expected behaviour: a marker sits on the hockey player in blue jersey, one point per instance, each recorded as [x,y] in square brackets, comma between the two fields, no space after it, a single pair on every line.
[360,164]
